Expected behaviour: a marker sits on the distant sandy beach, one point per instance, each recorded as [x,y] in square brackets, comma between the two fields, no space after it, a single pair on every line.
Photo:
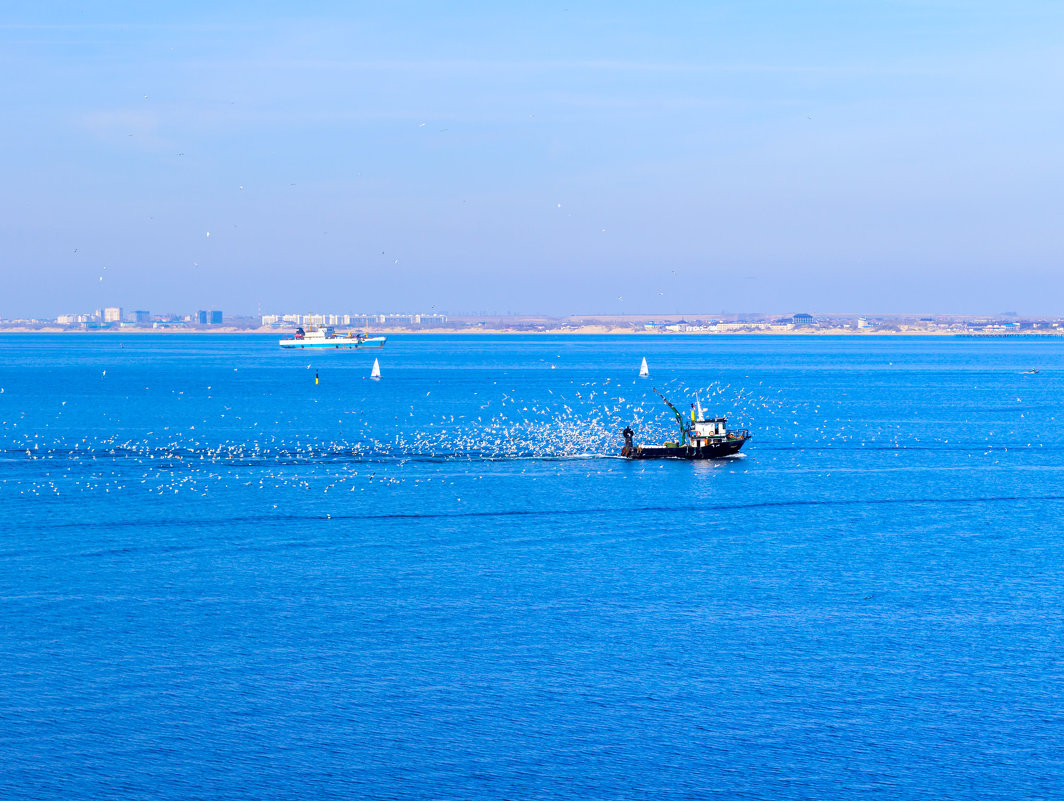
[585,330]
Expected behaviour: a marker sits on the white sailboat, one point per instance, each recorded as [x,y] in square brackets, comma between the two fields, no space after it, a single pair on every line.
[375,373]
[644,371]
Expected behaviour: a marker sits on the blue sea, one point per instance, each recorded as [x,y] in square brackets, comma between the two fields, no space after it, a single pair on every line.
[221,578]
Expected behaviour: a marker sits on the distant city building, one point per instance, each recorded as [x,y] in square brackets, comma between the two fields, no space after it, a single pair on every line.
[862,322]
[141,316]
[740,326]
[802,319]
[216,317]
[201,316]
[356,320]
[112,314]
[209,317]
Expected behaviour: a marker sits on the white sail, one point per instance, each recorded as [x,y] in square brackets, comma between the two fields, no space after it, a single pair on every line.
[376,371]
[644,371]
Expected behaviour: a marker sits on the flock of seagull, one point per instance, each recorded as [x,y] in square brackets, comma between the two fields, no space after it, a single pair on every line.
[570,420]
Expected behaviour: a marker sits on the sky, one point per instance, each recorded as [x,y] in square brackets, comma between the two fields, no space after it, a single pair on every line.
[871,156]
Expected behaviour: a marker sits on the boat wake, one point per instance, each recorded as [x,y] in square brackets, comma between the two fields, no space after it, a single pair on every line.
[571,421]
[579,422]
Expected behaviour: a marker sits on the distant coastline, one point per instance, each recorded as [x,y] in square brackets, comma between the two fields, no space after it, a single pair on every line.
[114,319]
[587,330]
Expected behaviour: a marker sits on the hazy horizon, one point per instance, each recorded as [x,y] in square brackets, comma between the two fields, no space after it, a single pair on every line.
[634,315]
[607,159]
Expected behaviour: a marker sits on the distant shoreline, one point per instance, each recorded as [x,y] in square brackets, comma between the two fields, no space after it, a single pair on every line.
[589,330]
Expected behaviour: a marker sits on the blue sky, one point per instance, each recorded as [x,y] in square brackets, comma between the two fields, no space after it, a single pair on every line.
[873,156]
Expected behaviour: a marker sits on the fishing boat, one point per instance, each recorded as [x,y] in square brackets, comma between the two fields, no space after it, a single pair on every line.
[319,338]
[700,437]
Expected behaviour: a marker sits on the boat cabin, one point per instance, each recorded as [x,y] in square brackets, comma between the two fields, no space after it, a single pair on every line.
[706,429]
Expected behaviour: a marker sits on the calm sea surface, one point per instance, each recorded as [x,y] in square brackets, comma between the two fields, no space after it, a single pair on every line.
[219,579]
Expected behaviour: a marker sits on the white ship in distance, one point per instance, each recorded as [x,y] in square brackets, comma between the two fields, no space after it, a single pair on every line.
[320,338]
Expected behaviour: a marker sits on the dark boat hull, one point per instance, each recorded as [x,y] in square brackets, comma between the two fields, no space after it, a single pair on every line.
[716,450]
